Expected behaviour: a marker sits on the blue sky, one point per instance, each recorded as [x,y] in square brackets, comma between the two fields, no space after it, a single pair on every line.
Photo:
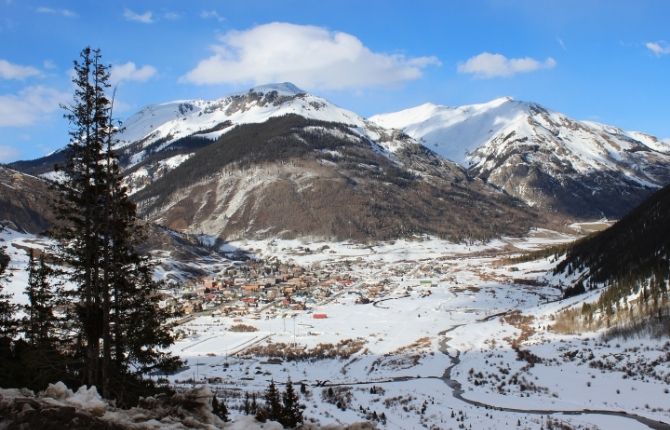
[606,61]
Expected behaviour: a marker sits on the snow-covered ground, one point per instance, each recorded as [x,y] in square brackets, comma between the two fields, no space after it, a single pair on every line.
[446,305]
[458,337]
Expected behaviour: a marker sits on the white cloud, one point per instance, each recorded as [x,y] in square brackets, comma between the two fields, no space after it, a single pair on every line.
[30,105]
[206,14]
[145,18]
[309,56]
[658,48]
[487,65]
[14,71]
[130,72]
[63,12]
[8,153]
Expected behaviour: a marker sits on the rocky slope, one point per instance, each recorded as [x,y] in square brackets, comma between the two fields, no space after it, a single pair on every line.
[25,206]
[575,168]
[24,201]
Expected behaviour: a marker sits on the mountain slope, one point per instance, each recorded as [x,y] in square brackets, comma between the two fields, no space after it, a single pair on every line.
[636,247]
[581,169]
[160,137]
[24,201]
[631,259]
[291,176]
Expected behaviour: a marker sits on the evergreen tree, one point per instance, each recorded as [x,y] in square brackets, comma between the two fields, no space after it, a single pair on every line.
[8,322]
[292,414]
[219,409]
[118,326]
[81,211]
[254,404]
[39,325]
[246,406]
[273,406]
[7,328]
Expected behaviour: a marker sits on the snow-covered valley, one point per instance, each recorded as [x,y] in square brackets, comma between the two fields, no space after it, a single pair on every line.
[457,337]
[448,336]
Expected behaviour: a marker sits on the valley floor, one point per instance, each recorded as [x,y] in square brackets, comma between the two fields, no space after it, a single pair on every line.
[460,339]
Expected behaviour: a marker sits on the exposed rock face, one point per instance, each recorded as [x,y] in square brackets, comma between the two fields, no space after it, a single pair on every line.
[24,202]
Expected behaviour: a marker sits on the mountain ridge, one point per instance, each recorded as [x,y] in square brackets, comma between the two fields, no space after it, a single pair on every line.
[576,168]
[530,155]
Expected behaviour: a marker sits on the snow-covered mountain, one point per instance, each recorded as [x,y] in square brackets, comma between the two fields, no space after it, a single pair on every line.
[210,119]
[294,177]
[246,164]
[278,161]
[161,129]
[543,157]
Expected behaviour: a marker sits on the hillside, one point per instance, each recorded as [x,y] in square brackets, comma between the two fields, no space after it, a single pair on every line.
[631,259]
[24,201]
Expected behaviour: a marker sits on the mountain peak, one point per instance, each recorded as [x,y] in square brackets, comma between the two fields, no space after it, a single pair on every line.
[500,101]
[282,88]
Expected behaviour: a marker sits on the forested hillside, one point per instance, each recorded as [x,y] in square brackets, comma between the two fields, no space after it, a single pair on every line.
[631,259]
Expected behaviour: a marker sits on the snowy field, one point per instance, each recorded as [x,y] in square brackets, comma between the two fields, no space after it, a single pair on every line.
[449,309]
[459,338]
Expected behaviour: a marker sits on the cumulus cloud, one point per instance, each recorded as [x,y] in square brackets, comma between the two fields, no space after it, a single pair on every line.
[15,71]
[8,153]
[310,56]
[63,12]
[658,48]
[144,18]
[130,72]
[29,105]
[487,65]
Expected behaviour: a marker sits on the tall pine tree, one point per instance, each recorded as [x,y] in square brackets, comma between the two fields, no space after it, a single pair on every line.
[273,407]
[40,323]
[8,326]
[119,326]
[292,414]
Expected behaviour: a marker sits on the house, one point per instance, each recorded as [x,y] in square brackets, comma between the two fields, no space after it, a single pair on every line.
[249,289]
[209,283]
[272,293]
